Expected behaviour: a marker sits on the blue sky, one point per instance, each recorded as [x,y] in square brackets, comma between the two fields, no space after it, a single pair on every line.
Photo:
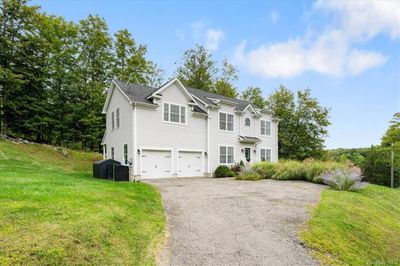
[346,52]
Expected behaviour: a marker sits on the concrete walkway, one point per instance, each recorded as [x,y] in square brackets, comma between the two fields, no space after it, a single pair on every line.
[228,222]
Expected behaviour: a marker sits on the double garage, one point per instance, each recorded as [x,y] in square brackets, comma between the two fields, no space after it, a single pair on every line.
[163,163]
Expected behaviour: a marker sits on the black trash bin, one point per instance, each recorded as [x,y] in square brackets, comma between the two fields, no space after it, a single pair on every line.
[101,169]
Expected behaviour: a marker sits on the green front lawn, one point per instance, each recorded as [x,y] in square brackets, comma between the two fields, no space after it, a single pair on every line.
[53,212]
[356,228]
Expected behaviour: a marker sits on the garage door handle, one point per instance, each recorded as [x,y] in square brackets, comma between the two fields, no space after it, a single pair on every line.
[166,171]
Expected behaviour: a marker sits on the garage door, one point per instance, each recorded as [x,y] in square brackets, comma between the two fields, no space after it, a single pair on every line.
[189,164]
[156,164]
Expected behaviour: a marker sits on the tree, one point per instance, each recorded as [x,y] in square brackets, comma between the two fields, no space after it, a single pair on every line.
[224,84]
[302,125]
[94,64]
[197,69]
[392,135]
[254,96]
[130,63]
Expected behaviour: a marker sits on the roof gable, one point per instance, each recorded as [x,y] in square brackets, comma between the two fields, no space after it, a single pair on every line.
[157,93]
[110,93]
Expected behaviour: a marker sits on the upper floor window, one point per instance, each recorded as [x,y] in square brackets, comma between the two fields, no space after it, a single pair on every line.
[225,121]
[265,128]
[112,120]
[174,113]
[247,122]
[265,155]
[117,117]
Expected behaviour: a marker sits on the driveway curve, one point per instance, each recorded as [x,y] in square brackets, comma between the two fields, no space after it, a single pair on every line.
[228,222]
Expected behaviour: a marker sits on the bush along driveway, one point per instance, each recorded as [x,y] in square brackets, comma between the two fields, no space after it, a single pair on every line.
[228,222]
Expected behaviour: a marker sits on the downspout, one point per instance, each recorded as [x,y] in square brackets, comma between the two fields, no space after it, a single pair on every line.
[208,146]
[134,144]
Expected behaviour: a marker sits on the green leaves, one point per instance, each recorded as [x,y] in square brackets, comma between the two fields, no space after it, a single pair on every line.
[303,123]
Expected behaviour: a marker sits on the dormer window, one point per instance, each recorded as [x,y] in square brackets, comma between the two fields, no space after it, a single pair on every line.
[247,122]
[174,113]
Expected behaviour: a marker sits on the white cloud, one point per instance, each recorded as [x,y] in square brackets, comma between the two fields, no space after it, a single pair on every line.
[208,36]
[213,38]
[274,16]
[330,51]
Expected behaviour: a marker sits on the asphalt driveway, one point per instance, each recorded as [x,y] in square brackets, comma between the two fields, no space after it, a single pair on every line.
[228,222]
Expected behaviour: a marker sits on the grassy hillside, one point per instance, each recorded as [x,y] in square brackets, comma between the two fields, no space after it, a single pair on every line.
[53,212]
[356,228]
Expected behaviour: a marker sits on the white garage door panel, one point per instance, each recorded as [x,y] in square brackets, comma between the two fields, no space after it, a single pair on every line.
[189,164]
[156,164]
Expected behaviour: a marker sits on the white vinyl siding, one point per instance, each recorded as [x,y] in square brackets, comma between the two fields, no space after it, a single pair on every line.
[226,121]
[174,113]
[265,155]
[265,128]
[226,155]
[125,153]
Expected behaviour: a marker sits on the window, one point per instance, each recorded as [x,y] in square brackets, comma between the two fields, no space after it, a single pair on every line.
[105,151]
[117,115]
[265,155]
[174,113]
[247,122]
[112,153]
[265,128]
[226,121]
[226,155]
[112,120]
[125,153]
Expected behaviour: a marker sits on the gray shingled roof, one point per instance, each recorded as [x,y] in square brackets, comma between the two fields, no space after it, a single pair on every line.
[139,93]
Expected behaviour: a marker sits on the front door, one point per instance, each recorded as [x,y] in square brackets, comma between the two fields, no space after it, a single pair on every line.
[247,152]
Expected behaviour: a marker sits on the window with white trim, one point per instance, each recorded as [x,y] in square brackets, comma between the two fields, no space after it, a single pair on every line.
[117,117]
[226,154]
[265,155]
[247,122]
[225,121]
[265,128]
[174,113]
[112,120]
[112,153]
[125,153]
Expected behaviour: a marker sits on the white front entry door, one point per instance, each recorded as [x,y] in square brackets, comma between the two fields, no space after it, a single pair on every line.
[189,164]
[156,164]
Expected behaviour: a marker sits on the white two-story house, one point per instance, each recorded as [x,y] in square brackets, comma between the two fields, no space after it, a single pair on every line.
[176,131]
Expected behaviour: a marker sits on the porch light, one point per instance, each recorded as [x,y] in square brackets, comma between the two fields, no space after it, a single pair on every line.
[138,151]
[242,150]
[255,150]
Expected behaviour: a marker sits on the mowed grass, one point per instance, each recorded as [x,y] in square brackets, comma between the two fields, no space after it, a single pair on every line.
[52,212]
[356,228]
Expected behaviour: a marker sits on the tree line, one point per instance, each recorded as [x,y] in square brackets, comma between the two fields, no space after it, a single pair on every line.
[54,74]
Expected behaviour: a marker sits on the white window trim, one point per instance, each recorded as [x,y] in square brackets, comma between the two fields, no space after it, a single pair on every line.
[270,131]
[245,122]
[219,122]
[265,148]
[177,104]
[219,154]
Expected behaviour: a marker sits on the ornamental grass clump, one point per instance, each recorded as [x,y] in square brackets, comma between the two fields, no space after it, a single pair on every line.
[248,173]
[265,169]
[313,170]
[289,170]
[342,179]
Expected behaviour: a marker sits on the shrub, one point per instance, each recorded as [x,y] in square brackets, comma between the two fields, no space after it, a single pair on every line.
[236,168]
[289,170]
[265,169]
[223,171]
[341,179]
[313,170]
[248,173]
